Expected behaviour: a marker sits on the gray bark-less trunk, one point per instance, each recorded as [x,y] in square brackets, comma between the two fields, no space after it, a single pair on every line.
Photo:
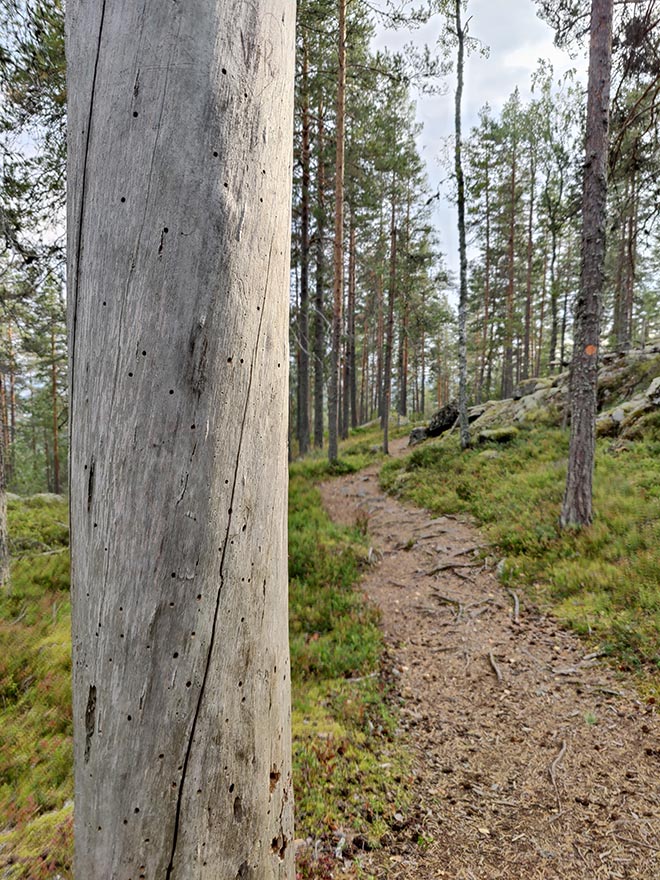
[4,532]
[577,506]
[180,127]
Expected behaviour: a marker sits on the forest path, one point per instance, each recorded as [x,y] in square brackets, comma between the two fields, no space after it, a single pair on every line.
[533,759]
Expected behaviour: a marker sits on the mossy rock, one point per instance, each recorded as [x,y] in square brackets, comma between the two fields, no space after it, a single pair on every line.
[498,435]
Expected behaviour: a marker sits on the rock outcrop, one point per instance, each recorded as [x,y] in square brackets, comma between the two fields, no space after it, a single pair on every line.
[628,395]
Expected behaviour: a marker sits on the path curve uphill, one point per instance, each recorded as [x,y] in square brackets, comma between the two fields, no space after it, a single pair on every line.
[533,759]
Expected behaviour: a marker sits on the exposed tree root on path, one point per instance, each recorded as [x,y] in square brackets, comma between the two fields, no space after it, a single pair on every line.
[534,760]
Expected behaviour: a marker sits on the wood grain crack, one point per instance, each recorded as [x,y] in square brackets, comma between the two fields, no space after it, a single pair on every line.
[81,212]
[202,690]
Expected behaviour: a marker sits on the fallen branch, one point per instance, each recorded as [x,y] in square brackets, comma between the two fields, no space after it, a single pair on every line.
[447,600]
[463,551]
[362,678]
[19,618]
[516,606]
[430,535]
[552,770]
[496,668]
[636,843]
[446,566]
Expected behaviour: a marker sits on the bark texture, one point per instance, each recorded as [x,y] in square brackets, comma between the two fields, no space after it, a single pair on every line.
[462,246]
[338,245]
[4,532]
[180,134]
[577,506]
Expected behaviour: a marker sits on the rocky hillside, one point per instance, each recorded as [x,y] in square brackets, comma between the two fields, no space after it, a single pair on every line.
[628,402]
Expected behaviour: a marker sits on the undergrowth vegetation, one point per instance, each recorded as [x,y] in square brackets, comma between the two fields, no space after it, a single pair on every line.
[348,769]
[603,581]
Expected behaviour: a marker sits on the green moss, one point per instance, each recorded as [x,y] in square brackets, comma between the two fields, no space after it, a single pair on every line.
[40,849]
[348,769]
[498,435]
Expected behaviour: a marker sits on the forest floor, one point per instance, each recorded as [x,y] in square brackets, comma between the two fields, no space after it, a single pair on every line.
[533,758]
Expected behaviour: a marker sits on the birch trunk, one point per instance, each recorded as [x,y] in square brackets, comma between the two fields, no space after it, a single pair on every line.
[180,134]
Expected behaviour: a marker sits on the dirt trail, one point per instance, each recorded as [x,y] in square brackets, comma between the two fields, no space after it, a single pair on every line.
[533,759]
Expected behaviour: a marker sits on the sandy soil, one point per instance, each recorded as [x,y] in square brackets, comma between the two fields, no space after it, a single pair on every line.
[533,758]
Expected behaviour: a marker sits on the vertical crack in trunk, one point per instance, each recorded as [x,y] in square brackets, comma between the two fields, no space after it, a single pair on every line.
[191,737]
[81,213]
[90,721]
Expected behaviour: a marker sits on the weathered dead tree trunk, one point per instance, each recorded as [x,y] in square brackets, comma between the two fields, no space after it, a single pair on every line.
[180,135]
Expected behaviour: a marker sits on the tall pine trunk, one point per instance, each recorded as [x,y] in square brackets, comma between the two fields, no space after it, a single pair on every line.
[507,372]
[179,200]
[577,506]
[319,317]
[338,248]
[527,339]
[462,245]
[389,333]
[303,314]
[4,532]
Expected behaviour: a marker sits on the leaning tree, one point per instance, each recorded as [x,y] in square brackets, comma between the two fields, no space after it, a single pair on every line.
[180,133]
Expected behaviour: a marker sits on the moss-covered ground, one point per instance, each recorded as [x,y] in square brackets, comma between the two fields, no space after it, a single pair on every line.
[348,764]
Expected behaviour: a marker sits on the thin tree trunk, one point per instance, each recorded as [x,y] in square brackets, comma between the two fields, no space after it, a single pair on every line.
[380,340]
[484,335]
[338,251]
[564,317]
[389,341]
[364,379]
[544,290]
[507,372]
[4,532]
[180,138]
[303,315]
[319,321]
[462,245]
[352,285]
[405,319]
[629,299]
[12,402]
[554,304]
[528,292]
[423,360]
[56,433]
[577,506]
[4,421]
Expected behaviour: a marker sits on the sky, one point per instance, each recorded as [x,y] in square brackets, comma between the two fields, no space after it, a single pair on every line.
[516,38]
